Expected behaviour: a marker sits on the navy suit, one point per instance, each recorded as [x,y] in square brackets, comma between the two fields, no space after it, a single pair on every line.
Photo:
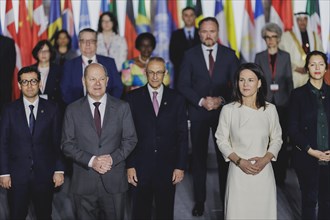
[31,160]
[71,82]
[195,83]
[302,129]
[162,147]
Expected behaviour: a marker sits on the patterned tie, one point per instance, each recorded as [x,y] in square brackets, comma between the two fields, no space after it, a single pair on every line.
[155,102]
[32,119]
[97,118]
[211,62]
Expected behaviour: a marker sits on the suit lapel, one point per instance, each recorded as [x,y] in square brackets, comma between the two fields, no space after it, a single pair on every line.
[41,114]
[86,111]
[22,116]
[164,102]
[147,101]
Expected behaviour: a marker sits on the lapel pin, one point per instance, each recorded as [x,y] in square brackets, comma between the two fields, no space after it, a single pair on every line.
[165,103]
[42,111]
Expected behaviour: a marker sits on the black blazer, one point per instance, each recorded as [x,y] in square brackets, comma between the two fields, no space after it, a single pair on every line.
[20,151]
[162,140]
[195,81]
[7,66]
[303,123]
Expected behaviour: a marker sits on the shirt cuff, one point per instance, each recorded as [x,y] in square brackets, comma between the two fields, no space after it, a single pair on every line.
[4,175]
[200,102]
[59,172]
[90,163]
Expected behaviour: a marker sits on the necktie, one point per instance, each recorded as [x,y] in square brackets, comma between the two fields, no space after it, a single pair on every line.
[32,119]
[155,102]
[90,61]
[97,118]
[190,39]
[211,62]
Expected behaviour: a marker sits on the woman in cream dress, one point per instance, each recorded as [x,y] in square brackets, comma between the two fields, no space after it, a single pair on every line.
[249,137]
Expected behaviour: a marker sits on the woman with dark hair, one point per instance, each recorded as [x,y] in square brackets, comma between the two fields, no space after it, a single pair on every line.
[62,45]
[133,72]
[249,137]
[50,72]
[309,132]
[109,42]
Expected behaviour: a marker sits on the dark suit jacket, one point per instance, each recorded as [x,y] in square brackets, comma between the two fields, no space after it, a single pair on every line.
[7,64]
[303,124]
[195,81]
[71,83]
[283,76]
[178,45]
[162,140]
[80,142]
[20,151]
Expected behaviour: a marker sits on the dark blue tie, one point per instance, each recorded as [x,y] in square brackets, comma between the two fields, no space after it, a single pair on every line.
[97,117]
[32,119]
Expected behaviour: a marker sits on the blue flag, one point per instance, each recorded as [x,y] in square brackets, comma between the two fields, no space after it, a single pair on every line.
[84,15]
[55,20]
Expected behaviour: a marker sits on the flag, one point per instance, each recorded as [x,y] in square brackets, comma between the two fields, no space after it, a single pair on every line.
[327,74]
[313,10]
[10,31]
[259,22]
[68,23]
[130,31]
[281,13]
[142,21]
[219,14]
[84,15]
[0,28]
[39,24]
[190,3]
[230,23]
[247,39]
[55,19]
[113,7]
[173,14]
[24,35]
[199,12]
[105,6]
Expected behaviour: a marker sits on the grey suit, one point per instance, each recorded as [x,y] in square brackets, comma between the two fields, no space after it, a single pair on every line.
[80,142]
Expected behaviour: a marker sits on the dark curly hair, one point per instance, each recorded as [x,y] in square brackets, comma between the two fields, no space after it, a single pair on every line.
[112,18]
[145,36]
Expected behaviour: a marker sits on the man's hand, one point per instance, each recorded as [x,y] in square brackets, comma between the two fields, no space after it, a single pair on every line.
[131,176]
[5,182]
[211,103]
[177,176]
[320,155]
[102,163]
[58,179]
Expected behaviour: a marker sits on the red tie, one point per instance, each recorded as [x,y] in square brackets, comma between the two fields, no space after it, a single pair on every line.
[211,62]
[97,117]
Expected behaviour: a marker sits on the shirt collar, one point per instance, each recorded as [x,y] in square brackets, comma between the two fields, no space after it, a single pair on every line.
[27,102]
[85,59]
[103,100]
[159,90]
[214,48]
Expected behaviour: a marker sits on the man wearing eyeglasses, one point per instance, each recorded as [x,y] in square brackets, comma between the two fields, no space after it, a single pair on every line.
[158,162]
[30,157]
[71,83]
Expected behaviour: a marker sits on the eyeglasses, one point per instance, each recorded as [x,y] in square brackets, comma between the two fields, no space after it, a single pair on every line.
[87,41]
[25,82]
[271,37]
[44,51]
[152,73]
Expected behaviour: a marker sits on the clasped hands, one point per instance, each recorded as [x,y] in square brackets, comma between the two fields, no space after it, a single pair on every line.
[254,165]
[211,103]
[102,163]
[320,155]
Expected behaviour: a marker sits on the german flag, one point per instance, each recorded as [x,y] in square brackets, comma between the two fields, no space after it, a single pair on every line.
[130,31]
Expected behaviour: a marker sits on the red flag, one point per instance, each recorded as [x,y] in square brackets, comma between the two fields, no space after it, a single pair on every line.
[24,35]
[281,13]
[130,31]
[10,31]
[40,22]
[173,11]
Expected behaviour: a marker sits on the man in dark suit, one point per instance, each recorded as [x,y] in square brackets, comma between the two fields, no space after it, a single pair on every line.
[98,135]
[206,79]
[71,85]
[7,63]
[182,40]
[30,156]
[158,162]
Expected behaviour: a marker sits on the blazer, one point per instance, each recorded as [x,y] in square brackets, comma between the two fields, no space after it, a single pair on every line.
[71,83]
[162,140]
[302,125]
[7,63]
[283,76]
[178,45]
[80,142]
[21,152]
[195,81]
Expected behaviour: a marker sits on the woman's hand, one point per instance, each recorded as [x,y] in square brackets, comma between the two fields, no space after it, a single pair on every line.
[248,167]
[261,162]
[320,155]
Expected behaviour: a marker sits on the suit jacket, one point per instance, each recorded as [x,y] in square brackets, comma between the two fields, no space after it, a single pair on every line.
[303,124]
[71,83]
[162,140]
[178,45]
[80,142]
[7,63]
[283,76]
[20,151]
[195,81]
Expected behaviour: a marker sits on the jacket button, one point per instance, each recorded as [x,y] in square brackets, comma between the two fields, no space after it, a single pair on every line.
[155,151]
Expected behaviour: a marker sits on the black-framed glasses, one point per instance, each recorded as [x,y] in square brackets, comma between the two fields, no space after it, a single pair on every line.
[82,41]
[26,82]
[271,37]
[152,73]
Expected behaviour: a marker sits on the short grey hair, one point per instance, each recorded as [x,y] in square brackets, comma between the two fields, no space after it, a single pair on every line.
[156,59]
[272,27]
[93,64]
